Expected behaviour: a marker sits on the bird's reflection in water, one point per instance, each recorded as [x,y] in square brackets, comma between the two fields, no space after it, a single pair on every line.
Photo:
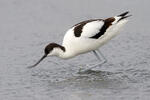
[95,72]
[91,79]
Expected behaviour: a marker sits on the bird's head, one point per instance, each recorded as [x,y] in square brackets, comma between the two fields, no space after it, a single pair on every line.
[51,49]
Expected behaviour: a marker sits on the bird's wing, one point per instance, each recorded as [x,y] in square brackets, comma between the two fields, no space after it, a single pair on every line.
[92,28]
[88,28]
[97,27]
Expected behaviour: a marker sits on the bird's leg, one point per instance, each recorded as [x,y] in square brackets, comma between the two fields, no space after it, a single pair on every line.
[100,57]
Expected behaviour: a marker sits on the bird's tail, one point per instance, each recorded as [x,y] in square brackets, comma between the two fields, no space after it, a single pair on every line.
[117,22]
[123,16]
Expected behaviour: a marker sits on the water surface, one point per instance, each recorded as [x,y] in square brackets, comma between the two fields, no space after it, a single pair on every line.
[27,26]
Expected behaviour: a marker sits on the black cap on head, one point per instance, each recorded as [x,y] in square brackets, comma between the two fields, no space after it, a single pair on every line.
[47,50]
[51,46]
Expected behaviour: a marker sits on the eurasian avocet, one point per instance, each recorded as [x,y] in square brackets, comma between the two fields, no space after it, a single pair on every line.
[86,36]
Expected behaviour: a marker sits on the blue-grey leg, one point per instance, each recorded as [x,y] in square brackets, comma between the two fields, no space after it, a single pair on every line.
[100,57]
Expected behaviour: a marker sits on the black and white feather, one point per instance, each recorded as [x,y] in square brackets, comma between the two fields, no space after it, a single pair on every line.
[95,28]
[91,34]
[86,36]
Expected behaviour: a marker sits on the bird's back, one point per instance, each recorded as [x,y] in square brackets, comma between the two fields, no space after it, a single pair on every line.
[91,34]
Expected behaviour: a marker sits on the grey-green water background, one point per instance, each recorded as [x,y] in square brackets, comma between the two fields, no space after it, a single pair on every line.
[26,26]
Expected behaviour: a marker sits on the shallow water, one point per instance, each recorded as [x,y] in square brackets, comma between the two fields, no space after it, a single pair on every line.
[27,26]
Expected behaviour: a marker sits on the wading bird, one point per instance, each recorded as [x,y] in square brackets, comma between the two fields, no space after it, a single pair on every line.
[86,36]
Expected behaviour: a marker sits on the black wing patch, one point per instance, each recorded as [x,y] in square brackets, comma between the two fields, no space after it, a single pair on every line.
[78,27]
[107,23]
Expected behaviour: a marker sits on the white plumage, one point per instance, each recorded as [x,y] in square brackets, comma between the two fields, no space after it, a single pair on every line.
[77,45]
[86,36]
[91,28]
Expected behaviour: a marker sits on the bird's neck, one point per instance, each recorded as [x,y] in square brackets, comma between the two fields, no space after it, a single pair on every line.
[63,52]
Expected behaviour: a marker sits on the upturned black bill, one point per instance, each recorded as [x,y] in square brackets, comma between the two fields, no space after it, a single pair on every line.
[37,62]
